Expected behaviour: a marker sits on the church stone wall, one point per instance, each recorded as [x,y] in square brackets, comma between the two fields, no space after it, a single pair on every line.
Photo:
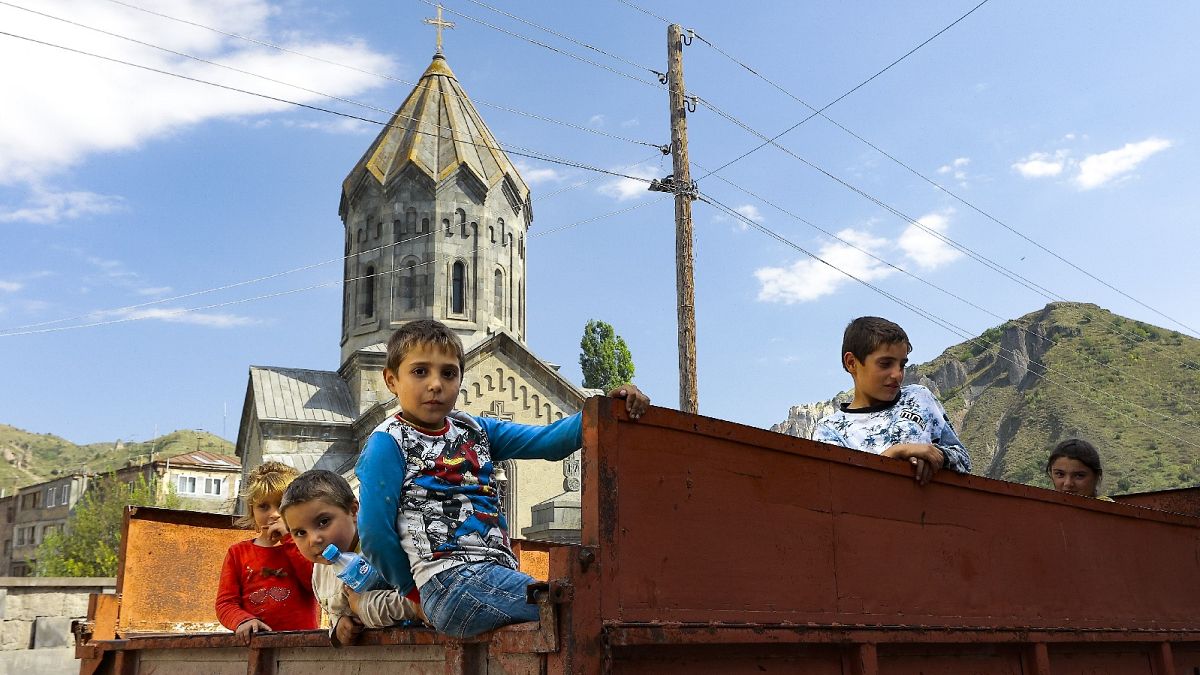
[411,237]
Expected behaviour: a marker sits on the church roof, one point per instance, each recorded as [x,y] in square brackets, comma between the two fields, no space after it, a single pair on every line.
[438,131]
[300,395]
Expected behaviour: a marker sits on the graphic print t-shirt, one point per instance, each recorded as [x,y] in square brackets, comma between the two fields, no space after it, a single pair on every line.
[449,508]
[914,417]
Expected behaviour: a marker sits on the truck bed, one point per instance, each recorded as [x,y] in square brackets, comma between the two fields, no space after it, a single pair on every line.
[711,547]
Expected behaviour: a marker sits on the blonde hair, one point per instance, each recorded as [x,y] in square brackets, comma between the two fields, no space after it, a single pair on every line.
[267,478]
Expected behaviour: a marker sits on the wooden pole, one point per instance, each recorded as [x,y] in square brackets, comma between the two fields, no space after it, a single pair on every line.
[685,289]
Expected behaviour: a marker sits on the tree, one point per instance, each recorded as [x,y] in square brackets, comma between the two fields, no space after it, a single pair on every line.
[90,544]
[605,358]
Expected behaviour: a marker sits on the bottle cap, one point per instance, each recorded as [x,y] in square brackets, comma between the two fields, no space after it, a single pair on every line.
[331,552]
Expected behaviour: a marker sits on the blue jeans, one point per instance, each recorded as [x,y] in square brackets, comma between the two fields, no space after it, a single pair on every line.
[470,599]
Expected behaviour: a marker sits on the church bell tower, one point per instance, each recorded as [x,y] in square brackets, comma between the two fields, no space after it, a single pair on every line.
[435,217]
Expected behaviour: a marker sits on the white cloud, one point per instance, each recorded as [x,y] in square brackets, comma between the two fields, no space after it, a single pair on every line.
[157,290]
[630,123]
[10,286]
[808,279]
[624,189]
[748,211]
[957,168]
[1096,170]
[74,106]
[537,175]
[924,249]
[47,206]
[1041,164]
[179,315]
[596,120]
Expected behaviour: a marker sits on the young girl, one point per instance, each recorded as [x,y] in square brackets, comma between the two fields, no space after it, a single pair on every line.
[266,584]
[1074,467]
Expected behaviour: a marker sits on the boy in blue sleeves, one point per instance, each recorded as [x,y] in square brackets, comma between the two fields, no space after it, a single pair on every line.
[430,515]
[905,422]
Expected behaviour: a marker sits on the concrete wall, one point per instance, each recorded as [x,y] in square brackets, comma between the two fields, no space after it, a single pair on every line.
[35,621]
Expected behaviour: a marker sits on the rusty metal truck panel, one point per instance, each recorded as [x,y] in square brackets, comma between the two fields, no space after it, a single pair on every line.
[1180,500]
[710,547]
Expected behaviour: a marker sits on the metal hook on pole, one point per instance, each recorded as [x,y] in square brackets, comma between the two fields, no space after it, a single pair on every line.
[691,104]
[686,40]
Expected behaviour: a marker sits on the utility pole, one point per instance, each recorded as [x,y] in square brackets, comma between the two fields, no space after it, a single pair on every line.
[684,194]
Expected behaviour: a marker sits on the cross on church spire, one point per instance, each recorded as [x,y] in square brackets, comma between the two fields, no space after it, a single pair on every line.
[439,24]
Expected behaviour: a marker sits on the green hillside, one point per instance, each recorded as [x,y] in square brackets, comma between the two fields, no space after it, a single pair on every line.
[1073,369]
[27,458]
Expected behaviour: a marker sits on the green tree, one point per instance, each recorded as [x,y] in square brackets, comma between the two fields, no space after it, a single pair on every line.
[89,545]
[605,358]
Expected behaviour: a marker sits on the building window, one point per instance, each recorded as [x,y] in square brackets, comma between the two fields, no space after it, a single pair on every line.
[65,495]
[424,226]
[187,485]
[25,536]
[492,233]
[500,227]
[410,221]
[7,547]
[498,295]
[458,276]
[51,495]
[368,293]
[212,486]
[461,216]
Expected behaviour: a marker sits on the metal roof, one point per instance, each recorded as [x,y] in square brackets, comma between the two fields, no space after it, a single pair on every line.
[300,395]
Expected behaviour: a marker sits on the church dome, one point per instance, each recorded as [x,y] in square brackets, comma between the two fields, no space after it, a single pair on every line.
[438,131]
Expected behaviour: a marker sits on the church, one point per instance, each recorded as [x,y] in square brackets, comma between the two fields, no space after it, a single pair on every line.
[435,218]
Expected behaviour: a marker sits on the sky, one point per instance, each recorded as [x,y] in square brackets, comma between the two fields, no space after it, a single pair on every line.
[159,235]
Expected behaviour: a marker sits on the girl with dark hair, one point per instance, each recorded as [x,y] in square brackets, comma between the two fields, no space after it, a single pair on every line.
[1074,468]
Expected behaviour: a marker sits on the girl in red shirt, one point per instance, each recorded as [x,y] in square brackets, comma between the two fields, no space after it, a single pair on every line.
[266,584]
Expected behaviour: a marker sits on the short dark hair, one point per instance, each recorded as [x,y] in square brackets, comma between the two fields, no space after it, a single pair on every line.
[328,486]
[423,332]
[867,333]
[1077,448]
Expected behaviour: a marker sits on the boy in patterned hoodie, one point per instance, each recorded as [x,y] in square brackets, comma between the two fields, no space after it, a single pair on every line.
[430,513]
[905,422]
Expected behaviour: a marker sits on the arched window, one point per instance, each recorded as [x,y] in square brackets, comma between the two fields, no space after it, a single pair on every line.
[521,248]
[446,226]
[410,221]
[458,279]
[492,233]
[397,229]
[368,293]
[498,296]
[462,221]
[379,229]
[407,287]
[500,229]
[424,226]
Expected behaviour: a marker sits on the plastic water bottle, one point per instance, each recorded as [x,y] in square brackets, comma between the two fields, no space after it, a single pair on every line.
[353,569]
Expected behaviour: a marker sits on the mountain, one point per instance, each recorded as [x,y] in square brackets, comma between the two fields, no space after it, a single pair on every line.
[1067,370]
[27,458]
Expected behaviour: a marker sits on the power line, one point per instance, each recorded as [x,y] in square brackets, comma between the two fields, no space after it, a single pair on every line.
[984,260]
[972,253]
[557,34]
[496,106]
[218,305]
[1173,394]
[926,178]
[943,322]
[853,89]
[246,282]
[511,149]
[552,48]
[643,11]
